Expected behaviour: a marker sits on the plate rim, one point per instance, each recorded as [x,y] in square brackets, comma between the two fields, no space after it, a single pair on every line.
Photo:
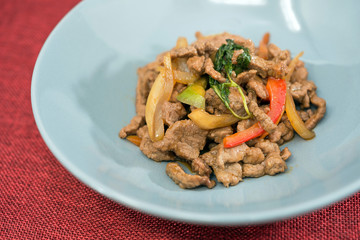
[325,200]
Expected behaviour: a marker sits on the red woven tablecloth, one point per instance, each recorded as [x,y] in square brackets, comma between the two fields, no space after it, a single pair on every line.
[40,199]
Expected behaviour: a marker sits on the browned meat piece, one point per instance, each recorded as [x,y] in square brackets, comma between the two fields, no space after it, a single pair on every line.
[278,55]
[216,106]
[142,131]
[135,123]
[274,51]
[172,112]
[184,138]
[305,114]
[300,74]
[282,131]
[268,147]
[188,51]
[230,155]
[210,157]
[245,77]
[241,152]
[258,86]
[209,69]
[251,170]
[213,103]
[199,166]
[254,155]
[218,134]
[147,76]
[147,147]
[285,154]
[245,124]
[236,54]
[274,164]
[196,64]
[178,88]
[275,136]
[236,102]
[230,175]
[210,44]
[300,92]
[320,103]
[264,120]
[267,68]
[184,180]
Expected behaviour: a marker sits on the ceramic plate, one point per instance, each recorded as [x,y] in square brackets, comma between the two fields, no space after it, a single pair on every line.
[83,93]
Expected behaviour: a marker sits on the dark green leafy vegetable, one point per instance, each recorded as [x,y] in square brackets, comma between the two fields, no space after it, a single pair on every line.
[223,64]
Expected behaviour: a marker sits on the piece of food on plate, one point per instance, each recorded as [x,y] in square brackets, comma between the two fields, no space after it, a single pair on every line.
[225,107]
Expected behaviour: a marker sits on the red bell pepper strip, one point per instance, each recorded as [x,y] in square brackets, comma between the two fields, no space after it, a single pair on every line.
[277,94]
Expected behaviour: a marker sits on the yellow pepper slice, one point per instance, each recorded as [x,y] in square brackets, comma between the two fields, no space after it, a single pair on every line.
[295,120]
[159,93]
[208,121]
[194,94]
[290,108]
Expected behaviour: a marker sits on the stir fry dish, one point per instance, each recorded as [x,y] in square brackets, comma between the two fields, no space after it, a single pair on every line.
[223,107]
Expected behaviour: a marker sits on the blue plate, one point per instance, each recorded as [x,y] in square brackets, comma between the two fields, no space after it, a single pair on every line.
[83,93]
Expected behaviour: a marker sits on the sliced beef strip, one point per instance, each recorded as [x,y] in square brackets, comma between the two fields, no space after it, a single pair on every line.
[230,155]
[135,123]
[197,64]
[305,114]
[172,112]
[288,136]
[282,132]
[218,134]
[278,55]
[285,154]
[254,155]
[304,92]
[184,180]
[210,44]
[245,124]
[215,105]
[184,138]
[239,153]
[253,170]
[230,175]
[300,72]
[147,147]
[299,75]
[267,147]
[188,51]
[257,85]
[244,77]
[300,91]
[267,68]
[199,166]
[235,56]
[320,103]
[209,69]
[210,156]
[274,164]
[264,120]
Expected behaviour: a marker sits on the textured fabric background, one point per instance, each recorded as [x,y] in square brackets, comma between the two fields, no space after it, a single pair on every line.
[40,199]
